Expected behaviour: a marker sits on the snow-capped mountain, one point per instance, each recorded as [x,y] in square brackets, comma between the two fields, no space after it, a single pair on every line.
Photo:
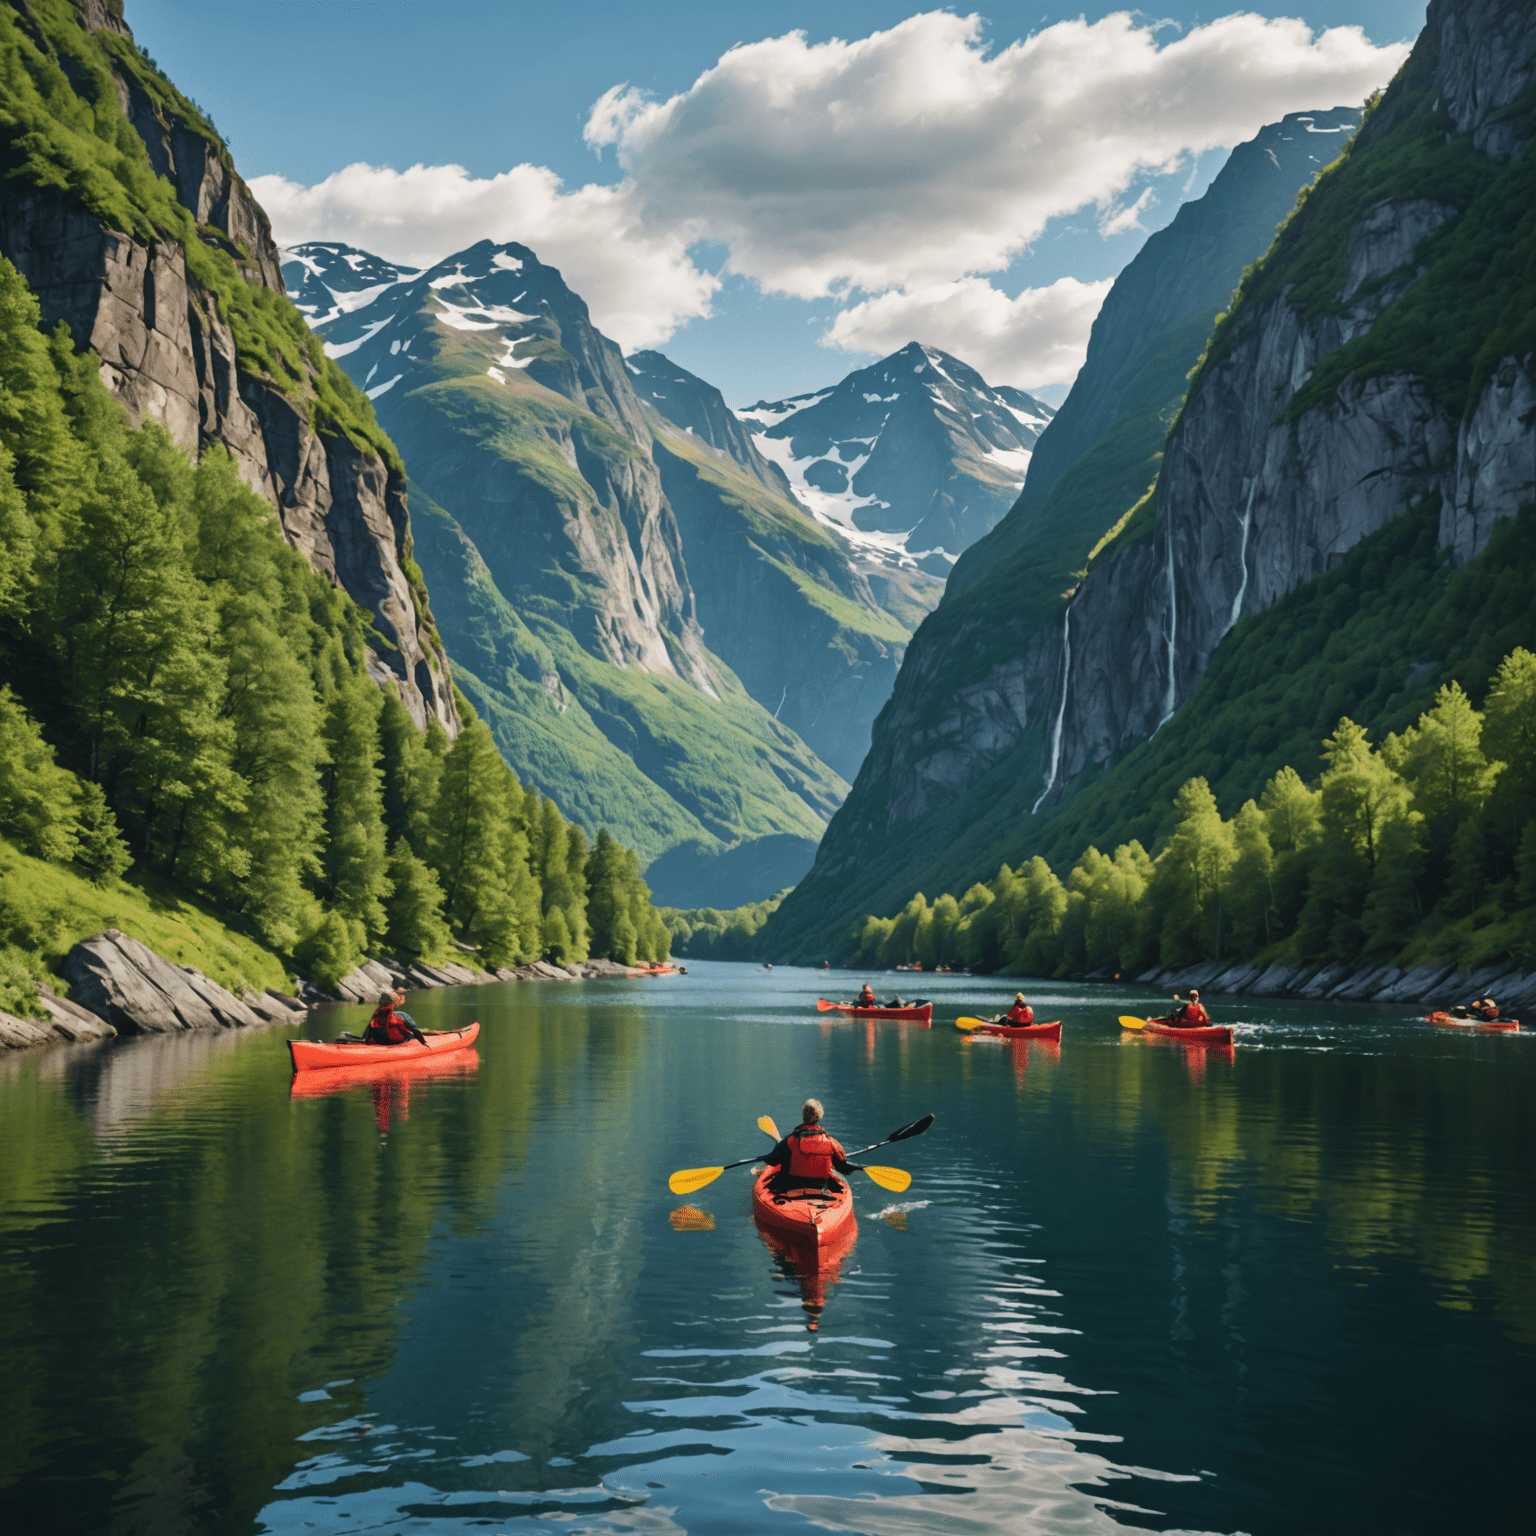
[916,456]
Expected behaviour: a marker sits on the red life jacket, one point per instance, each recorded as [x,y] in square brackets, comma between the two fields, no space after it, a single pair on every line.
[1488,1013]
[1021,1013]
[811,1152]
[1192,1016]
[386,1023]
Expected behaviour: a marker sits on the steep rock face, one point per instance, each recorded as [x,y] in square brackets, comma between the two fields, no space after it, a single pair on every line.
[1379,359]
[1100,451]
[1314,423]
[978,702]
[168,352]
[786,602]
[554,550]
[915,455]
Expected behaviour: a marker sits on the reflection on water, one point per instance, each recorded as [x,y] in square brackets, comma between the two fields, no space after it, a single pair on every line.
[1134,1285]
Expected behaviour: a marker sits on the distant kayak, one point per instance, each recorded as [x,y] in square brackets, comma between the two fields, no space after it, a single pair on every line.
[1200,1034]
[1021,1031]
[1497,1026]
[308,1055]
[810,1217]
[922,1014]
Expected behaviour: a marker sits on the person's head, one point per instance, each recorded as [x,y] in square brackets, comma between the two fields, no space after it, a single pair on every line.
[1194,994]
[387,1000]
[1018,997]
[810,1113]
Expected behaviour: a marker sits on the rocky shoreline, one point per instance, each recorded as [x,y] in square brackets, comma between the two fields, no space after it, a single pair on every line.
[1436,985]
[119,986]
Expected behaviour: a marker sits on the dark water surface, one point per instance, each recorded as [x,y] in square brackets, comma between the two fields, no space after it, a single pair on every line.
[1132,1286]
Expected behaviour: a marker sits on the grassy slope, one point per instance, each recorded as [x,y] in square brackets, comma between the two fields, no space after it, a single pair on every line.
[45,909]
[649,756]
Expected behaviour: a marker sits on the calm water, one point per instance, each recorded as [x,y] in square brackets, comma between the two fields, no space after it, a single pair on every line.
[1131,1286]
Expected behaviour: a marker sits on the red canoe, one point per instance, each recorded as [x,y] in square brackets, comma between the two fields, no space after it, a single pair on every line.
[1020,1031]
[1200,1034]
[310,1054]
[807,1217]
[1498,1026]
[923,1015]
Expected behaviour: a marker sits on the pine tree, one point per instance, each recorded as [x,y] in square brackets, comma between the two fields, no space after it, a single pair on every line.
[1252,882]
[37,798]
[1186,898]
[355,862]
[414,907]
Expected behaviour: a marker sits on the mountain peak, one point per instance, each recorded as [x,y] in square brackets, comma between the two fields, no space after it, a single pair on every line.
[913,457]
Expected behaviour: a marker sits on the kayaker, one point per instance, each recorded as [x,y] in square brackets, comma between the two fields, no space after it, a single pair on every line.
[866,998]
[1484,1011]
[1189,1015]
[1020,1013]
[807,1155]
[389,1026]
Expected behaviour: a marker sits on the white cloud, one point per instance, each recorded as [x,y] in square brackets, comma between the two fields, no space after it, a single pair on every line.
[1117,221]
[638,280]
[891,170]
[1036,339]
[913,156]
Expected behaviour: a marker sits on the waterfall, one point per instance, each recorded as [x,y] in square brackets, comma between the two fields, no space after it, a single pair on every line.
[1061,708]
[1170,700]
[1242,590]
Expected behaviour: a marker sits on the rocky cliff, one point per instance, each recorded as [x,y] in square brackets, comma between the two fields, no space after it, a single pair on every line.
[543,488]
[152,250]
[1380,356]
[1378,359]
[814,626]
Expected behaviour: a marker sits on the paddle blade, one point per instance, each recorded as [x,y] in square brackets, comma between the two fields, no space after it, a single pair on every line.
[686,1180]
[894,1179]
[967,1023]
[1127,1022]
[767,1127]
[823,1006]
[916,1128]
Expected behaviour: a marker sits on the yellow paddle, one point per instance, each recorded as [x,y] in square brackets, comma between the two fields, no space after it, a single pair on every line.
[968,1023]
[1127,1022]
[766,1125]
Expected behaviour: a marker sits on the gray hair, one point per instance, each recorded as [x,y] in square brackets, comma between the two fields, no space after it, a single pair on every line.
[811,1111]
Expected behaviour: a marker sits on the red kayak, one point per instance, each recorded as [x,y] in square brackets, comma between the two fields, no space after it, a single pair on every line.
[1020,1031]
[810,1217]
[923,1015]
[1199,1034]
[321,1083]
[1498,1026]
[310,1054]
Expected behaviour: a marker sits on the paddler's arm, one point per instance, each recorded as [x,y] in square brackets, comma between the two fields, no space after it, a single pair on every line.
[410,1024]
[779,1157]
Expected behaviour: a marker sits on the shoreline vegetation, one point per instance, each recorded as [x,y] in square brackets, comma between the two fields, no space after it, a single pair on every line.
[1403,870]
[194,748]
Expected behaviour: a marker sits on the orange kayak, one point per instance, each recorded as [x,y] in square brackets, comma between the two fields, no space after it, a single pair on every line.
[810,1217]
[1499,1026]
[922,1015]
[310,1054]
[318,1084]
[1021,1031]
[1200,1034]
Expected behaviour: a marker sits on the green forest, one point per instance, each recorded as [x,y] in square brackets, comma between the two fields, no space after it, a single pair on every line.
[707,933]
[188,702]
[1421,847]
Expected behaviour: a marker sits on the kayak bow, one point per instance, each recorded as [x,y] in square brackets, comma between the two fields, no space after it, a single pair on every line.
[812,1217]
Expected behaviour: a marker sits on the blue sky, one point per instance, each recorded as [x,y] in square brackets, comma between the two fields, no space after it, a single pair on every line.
[303,90]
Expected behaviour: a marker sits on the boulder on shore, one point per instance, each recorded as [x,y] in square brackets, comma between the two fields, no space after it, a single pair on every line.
[137,992]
